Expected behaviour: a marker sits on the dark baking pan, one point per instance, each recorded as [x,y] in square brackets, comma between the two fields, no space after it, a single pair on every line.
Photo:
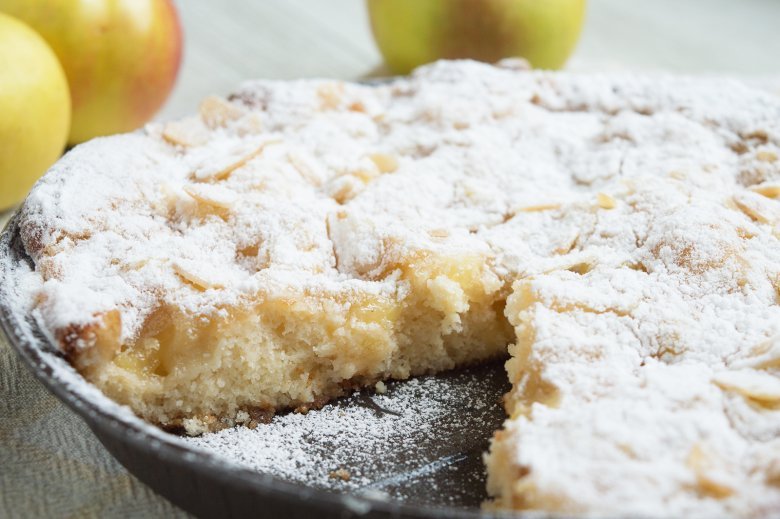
[444,478]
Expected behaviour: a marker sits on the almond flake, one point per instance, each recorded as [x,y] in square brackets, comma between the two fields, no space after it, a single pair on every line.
[212,194]
[196,275]
[757,385]
[188,132]
[384,162]
[763,356]
[217,112]
[219,168]
[307,168]
[605,201]
[538,208]
[758,208]
[767,189]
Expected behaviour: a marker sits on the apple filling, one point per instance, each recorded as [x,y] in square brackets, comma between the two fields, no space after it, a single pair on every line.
[304,349]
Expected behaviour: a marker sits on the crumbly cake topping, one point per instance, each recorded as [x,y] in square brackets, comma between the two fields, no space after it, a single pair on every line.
[660,354]
[633,222]
[318,184]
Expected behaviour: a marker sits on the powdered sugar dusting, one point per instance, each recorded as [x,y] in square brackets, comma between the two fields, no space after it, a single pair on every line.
[404,443]
[632,221]
[279,183]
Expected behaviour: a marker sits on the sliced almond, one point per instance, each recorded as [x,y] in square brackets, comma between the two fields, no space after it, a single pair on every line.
[366,175]
[757,207]
[212,194]
[758,385]
[605,201]
[711,481]
[384,162]
[235,158]
[538,208]
[307,168]
[767,189]
[567,244]
[196,275]
[344,188]
[174,199]
[217,112]
[330,94]
[188,132]
[762,356]
[250,124]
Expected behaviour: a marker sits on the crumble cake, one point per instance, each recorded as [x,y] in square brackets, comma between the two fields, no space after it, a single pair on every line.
[619,234]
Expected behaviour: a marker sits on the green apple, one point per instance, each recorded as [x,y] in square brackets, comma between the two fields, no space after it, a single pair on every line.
[121,57]
[34,109]
[410,33]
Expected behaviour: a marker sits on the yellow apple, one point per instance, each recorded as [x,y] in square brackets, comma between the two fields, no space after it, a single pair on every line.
[121,57]
[410,33]
[34,109]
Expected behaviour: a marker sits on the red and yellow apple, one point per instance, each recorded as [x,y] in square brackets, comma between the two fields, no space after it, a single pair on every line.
[410,33]
[34,109]
[121,57]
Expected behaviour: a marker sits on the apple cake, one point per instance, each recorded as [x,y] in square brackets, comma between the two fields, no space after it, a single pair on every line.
[617,236]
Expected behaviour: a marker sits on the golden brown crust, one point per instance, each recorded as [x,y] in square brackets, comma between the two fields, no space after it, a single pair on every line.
[88,345]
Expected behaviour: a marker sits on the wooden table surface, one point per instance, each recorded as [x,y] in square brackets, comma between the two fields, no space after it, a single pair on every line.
[56,467]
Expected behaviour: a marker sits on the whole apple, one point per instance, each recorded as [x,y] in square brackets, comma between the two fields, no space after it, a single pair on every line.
[410,33]
[34,109]
[121,57]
